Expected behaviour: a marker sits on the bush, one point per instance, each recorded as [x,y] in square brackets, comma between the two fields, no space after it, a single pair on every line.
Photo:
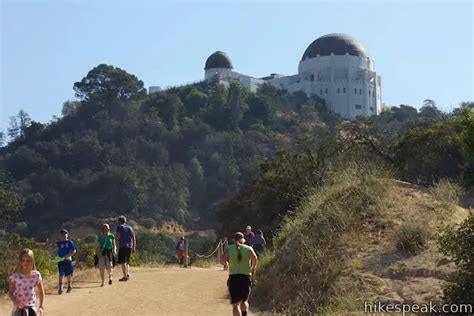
[411,237]
[459,245]
[447,191]
[148,223]
[154,247]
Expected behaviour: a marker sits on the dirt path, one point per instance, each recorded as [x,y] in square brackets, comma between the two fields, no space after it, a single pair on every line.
[151,291]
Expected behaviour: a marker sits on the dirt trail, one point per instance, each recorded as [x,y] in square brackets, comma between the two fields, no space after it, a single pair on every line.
[150,291]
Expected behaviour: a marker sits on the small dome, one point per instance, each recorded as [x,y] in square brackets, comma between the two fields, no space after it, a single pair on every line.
[339,44]
[218,60]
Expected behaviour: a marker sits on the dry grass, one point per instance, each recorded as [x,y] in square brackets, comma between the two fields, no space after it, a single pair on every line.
[346,263]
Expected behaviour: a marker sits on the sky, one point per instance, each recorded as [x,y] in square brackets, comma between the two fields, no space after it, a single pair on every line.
[422,50]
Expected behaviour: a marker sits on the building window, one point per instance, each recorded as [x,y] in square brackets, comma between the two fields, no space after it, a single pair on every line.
[320,91]
[326,90]
[343,90]
[355,90]
[358,107]
[338,90]
[369,93]
[312,77]
[372,108]
[360,91]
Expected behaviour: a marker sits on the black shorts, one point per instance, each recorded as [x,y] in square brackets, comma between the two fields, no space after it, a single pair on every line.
[124,255]
[239,287]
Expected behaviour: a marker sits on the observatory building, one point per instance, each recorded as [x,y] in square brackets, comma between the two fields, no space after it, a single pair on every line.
[334,67]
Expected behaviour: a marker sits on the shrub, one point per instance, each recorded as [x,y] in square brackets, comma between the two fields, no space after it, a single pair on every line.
[447,191]
[148,223]
[459,245]
[411,237]
[154,247]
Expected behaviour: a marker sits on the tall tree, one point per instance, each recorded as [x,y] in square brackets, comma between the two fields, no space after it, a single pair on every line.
[109,82]
[24,121]
[13,128]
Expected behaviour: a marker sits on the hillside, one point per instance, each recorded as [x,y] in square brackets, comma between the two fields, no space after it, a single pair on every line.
[360,238]
[167,156]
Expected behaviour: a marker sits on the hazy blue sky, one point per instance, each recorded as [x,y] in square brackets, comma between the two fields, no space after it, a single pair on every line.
[422,50]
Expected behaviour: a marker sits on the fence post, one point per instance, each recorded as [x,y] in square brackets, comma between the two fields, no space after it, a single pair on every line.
[186,251]
[224,248]
[219,250]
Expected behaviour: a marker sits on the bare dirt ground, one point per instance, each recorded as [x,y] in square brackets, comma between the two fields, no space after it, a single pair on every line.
[150,291]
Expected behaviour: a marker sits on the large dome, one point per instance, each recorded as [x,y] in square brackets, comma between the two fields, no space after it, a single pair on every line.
[218,60]
[339,44]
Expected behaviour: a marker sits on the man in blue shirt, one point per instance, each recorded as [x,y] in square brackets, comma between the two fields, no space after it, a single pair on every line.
[66,248]
[127,242]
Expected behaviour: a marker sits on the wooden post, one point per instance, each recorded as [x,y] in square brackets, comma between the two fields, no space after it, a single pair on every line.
[186,251]
[219,251]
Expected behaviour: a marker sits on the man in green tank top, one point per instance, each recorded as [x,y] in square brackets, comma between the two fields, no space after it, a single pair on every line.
[242,262]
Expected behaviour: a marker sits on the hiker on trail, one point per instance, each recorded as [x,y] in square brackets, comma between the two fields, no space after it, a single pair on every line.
[127,244]
[24,284]
[106,250]
[259,243]
[66,248]
[249,235]
[181,250]
[242,262]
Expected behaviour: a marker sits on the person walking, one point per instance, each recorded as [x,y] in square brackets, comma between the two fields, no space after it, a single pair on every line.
[66,248]
[127,244]
[249,235]
[24,285]
[106,250]
[181,250]
[242,262]
[259,243]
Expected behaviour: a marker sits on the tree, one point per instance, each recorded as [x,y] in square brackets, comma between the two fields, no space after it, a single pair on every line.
[467,142]
[429,110]
[458,245]
[169,108]
[2,139]
[10,201]
[70,108]
[234,104]
[195,101]
[108,82]
[24,121]
[431,153]
[13,128]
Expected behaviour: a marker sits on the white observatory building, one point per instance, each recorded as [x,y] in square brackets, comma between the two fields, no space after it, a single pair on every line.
[334,67]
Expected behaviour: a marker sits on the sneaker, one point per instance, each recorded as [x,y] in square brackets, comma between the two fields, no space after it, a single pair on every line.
[110,282]
[60,291]
[123,279]
[69,289]
[102,285]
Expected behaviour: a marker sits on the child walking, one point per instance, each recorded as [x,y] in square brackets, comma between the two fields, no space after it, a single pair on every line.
[66,248]
[24,284]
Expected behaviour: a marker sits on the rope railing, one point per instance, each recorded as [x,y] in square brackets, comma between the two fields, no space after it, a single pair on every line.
[212,253]
[220,249]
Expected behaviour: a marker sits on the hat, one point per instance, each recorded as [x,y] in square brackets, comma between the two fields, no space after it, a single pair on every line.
[248,228]
[63,231]
[239,237]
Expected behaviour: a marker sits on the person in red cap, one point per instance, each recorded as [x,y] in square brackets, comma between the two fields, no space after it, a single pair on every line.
[242,262]
[249,235]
